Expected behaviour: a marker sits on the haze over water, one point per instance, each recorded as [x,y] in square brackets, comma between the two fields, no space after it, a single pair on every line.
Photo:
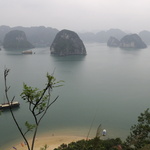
[108,84]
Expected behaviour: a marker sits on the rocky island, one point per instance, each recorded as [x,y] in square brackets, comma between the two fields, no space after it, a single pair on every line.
[128,41]
[132,41]
[66,43]
[16,39]
[113,42]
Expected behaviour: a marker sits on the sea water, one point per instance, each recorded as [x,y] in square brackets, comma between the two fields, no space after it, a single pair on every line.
[108,86]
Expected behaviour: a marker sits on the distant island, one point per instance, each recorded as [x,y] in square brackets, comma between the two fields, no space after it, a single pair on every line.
[16,39]
[40,36]
[113,42]
[66,43]
[102,36]
[128,41]
[132,41]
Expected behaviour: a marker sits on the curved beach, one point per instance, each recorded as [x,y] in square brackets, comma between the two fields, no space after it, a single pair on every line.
[52,141]
[57,137]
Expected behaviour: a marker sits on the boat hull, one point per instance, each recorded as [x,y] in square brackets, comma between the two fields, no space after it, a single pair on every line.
[9,105]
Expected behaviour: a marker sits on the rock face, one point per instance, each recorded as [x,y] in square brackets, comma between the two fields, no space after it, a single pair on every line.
[66,43]
[16,39]
[132,41]
[113,42]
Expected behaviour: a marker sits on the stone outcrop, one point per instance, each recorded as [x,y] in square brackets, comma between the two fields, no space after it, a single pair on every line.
[66,43]
[132,41]
[16,39]
[128,41]
[113,42]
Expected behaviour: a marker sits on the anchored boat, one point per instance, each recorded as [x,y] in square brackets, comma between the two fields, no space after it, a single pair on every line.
[27,52]
[8,105]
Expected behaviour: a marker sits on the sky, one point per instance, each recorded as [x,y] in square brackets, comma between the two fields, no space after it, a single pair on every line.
[77,15]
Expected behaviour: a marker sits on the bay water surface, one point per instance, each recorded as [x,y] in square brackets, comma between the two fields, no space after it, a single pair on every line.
[108,86]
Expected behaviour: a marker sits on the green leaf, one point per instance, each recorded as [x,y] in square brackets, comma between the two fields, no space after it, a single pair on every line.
[29,126]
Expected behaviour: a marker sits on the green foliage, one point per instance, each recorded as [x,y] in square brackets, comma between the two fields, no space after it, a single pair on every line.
[38,101]
[29,126]
[35,98]
[93,144]
[146,147]
[140,133]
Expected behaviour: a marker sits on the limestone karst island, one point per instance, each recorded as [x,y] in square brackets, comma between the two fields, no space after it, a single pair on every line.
[128,41]
[16,39]
[66,43]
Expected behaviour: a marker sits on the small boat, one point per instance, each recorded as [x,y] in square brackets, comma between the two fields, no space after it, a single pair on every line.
[8,105]
[27,52]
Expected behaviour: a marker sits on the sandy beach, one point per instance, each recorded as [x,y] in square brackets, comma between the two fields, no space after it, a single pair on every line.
[52,141]
[55,138]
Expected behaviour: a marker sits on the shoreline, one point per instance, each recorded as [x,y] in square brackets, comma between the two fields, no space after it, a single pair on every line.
[53,141]
[54,138]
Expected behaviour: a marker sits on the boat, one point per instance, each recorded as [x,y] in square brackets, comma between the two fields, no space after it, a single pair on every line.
[27,52]
[14,104]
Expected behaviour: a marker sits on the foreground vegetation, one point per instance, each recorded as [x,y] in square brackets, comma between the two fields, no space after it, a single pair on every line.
[92,144]
[38,101]
[139,139]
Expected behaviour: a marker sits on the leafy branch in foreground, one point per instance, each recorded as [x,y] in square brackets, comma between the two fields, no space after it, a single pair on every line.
[38,102]
[140,132]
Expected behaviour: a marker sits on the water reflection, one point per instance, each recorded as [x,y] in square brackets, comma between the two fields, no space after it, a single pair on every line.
[130,51]
[68,58]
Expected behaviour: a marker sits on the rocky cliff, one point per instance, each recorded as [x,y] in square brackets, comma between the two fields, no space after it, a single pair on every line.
[132,41]
[67,42]
[16,39]
[113,42]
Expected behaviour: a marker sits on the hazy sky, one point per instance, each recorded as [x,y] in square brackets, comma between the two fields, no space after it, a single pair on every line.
[77,15]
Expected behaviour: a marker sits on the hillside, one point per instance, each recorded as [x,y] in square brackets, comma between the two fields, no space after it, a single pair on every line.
[41,36]
[38,36]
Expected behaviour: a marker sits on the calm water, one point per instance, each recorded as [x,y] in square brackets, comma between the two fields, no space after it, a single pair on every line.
[108,84]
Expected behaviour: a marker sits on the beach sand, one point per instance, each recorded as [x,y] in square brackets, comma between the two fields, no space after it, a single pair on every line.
[52,141]
[54,138]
